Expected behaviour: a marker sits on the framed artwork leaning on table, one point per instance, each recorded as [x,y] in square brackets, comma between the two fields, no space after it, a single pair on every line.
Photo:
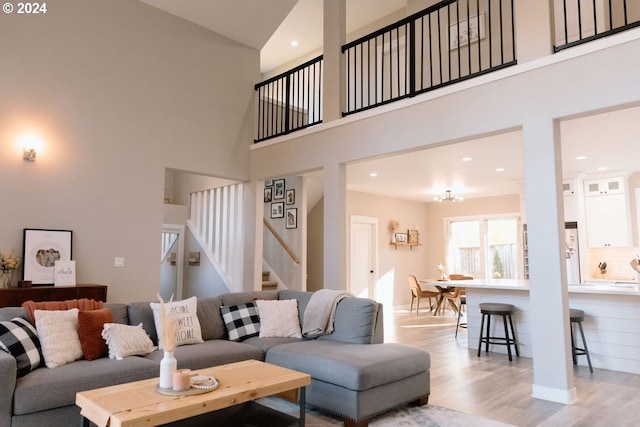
[41,249]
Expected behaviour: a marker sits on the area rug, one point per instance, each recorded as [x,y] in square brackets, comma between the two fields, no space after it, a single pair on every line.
[409,416]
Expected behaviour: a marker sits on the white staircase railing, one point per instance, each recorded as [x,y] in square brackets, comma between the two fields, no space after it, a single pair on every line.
[215,219]
[168,239]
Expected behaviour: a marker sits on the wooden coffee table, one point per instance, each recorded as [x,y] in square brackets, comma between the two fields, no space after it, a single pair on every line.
[138,403]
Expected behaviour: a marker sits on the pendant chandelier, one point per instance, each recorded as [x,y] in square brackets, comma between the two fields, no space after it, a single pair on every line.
[448,198]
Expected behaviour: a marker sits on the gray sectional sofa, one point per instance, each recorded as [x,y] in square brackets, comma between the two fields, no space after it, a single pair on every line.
[354,374]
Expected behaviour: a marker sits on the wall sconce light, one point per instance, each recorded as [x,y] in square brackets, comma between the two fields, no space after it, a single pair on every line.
[171,259]
[194,258]
[29,154]
[30,144]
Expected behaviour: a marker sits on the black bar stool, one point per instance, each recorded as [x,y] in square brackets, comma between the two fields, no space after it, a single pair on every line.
[577,316]
[497,309]
[463,301]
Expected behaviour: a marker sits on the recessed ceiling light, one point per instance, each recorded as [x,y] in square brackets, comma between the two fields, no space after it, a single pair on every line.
[581,157]
[373,174]
[294,43]
[466,159]
[499,169]
[602,168]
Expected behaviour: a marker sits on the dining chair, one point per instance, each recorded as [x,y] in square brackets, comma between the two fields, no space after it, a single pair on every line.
[461,297]
[418,292]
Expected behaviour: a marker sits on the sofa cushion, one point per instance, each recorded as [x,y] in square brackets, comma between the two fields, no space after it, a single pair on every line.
[210,319]
[8,313]
[20,339]
[58,333]
[53,388]
[210,353]
[242,320]
[235,298]
[265,344]
[126,340]
[119,312]
[90,324]
[354,321]
[301,296]
[80,304]
[279,318]
[352,366]
[186,316]
[140,312]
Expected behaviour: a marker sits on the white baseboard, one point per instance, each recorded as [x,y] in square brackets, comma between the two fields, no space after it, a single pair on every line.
[568,397]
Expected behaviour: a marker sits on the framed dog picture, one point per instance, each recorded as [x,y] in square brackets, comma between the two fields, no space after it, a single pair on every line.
[41,249]
[291,218]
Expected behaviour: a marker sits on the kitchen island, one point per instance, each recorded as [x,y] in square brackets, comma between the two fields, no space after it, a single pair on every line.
[611,324]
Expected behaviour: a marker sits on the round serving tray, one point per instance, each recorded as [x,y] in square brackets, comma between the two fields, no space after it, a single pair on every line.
[189,392]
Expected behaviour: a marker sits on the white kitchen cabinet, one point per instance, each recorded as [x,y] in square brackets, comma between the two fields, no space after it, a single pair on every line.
[602,186]
[607,221]
[570,199]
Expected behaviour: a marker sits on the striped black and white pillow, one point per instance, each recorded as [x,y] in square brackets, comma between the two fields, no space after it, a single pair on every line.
[242,320]
[20,339]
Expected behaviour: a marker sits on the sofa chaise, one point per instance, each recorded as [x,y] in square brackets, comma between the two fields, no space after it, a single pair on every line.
[355,375]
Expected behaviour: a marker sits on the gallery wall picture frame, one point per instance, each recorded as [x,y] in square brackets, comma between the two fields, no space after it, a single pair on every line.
[290,199]
[291,218]
[268,183]
[277,210]
[268,192]
[41,249]
[412,237]
[278,189]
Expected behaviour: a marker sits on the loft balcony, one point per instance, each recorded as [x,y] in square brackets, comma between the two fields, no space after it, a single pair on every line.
[449,42]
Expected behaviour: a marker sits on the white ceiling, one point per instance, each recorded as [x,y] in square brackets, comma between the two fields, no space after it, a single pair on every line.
[250,22]
[304,25]
[610,140]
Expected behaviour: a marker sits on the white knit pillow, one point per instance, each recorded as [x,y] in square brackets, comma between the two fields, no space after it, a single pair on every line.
[279,318]
[58,333]
[185,311]
[126,340]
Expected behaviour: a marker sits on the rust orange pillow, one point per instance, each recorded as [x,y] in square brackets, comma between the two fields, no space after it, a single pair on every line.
[90,324]
[80,304]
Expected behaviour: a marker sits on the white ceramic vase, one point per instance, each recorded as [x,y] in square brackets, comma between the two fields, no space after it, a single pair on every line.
[168,366]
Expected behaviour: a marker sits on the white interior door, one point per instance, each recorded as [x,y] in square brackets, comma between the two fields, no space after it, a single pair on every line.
[363,256]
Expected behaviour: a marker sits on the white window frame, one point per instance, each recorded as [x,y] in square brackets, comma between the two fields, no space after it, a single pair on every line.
[482,219]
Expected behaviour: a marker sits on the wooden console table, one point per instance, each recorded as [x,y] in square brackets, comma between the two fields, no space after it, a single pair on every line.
[14,297]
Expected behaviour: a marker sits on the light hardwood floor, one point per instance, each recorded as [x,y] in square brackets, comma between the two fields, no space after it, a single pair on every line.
[492,387]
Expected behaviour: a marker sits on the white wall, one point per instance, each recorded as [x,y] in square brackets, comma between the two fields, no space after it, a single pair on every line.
[395,264]
[117,91]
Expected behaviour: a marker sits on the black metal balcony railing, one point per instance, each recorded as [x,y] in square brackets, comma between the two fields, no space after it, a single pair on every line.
[581,21]
[290,101]
[449,42]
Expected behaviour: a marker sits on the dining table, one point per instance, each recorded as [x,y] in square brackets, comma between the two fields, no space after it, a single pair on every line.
[443,287]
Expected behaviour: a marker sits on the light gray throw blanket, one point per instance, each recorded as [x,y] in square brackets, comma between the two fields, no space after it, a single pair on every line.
[320,312]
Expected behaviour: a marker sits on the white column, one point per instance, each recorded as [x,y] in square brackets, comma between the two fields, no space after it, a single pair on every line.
[253,232]
[335,225]
[551,342]
[333,92]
